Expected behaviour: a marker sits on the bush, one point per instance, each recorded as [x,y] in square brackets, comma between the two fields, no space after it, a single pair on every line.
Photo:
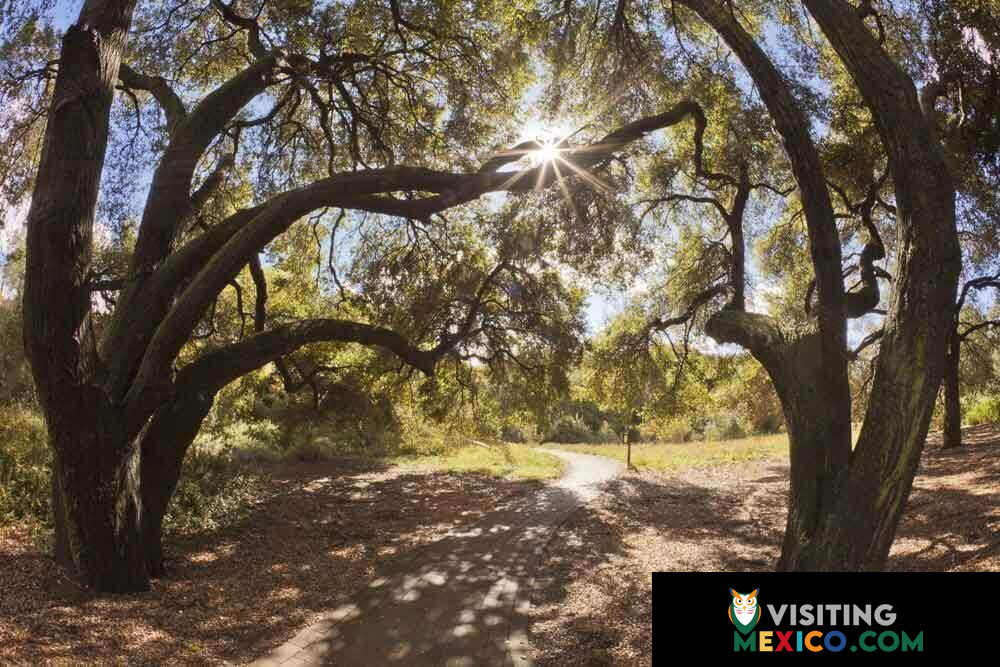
[419,436]
[672,430]
[25,466]
[724,427]
[985,410]
[513,434]
[213,492]
[570,428]
[17,385]
[311,448]
[767,424]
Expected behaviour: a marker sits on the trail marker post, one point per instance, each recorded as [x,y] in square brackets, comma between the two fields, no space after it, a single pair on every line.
[628,449]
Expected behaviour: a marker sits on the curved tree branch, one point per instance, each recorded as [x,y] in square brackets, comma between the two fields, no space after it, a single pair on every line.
[215,369]
[157,86]
[250,25]
[358,190]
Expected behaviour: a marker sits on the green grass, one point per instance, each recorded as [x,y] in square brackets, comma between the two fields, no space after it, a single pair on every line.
[671,456]
[501,460]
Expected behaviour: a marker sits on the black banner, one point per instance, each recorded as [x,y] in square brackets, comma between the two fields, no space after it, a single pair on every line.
[822,616]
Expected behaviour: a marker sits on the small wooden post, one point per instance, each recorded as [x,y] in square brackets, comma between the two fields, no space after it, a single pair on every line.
[628,448]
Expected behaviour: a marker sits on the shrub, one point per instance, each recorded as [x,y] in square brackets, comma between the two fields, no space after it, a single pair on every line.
[17,384]
[570,428]
[419,436]
[213,492]
[767,423]
[310,448]
[25,466]
[984,411]
[672,430]
[514,434]
[724,427]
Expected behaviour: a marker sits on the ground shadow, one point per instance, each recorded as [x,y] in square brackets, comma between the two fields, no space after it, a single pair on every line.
[320,533]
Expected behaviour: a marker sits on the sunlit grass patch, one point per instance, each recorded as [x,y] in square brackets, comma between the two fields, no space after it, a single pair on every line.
[510,461]
[677,456]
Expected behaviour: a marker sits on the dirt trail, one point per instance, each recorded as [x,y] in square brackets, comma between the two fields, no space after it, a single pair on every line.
[462,600]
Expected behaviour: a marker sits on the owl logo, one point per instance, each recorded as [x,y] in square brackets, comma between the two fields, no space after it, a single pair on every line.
[744,612]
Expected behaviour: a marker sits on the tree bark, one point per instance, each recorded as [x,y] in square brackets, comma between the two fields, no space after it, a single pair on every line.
[858,530]
[845,505]
[95,483]
[164,445]
[817,460]
[61,552]
[96,501]
[734,222]
[952,404]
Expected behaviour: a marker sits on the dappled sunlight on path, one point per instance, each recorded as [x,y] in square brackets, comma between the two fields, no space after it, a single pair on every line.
[461,600]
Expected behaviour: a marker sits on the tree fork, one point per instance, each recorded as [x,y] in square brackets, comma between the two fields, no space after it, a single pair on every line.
[858,531]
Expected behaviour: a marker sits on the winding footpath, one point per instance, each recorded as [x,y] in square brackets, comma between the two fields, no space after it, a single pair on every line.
[458,602]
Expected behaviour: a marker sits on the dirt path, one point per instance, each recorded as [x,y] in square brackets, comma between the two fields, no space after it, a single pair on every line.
[462,600]
[732,518]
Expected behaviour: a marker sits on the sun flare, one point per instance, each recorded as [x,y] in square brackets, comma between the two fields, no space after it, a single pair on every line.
[548,152]
[547,137]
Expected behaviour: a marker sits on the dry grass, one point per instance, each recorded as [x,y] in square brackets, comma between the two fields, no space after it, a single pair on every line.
[319,533]
[668,457]
[596,608]
[505,460]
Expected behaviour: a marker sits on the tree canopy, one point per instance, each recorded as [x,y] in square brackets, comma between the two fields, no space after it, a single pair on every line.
[217,186]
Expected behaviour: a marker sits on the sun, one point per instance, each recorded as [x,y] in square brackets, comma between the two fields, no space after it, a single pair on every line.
[548,152]
[547,137]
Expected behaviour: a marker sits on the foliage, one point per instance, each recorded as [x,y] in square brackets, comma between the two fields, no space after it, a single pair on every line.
[17,386]
[25,460]
[681,392]
[212,493]
[984,410]
[571,428]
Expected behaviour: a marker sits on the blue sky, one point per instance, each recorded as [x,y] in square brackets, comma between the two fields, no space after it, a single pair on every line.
[66,12]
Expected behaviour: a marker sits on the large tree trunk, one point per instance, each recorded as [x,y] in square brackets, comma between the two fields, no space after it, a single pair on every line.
[860,503]
[818,459]
[96,463]
[952,404]
[96,501]
[858,531]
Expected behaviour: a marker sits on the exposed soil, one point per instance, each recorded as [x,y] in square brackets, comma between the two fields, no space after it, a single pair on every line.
[320,532]
[597,610]
[461,601]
